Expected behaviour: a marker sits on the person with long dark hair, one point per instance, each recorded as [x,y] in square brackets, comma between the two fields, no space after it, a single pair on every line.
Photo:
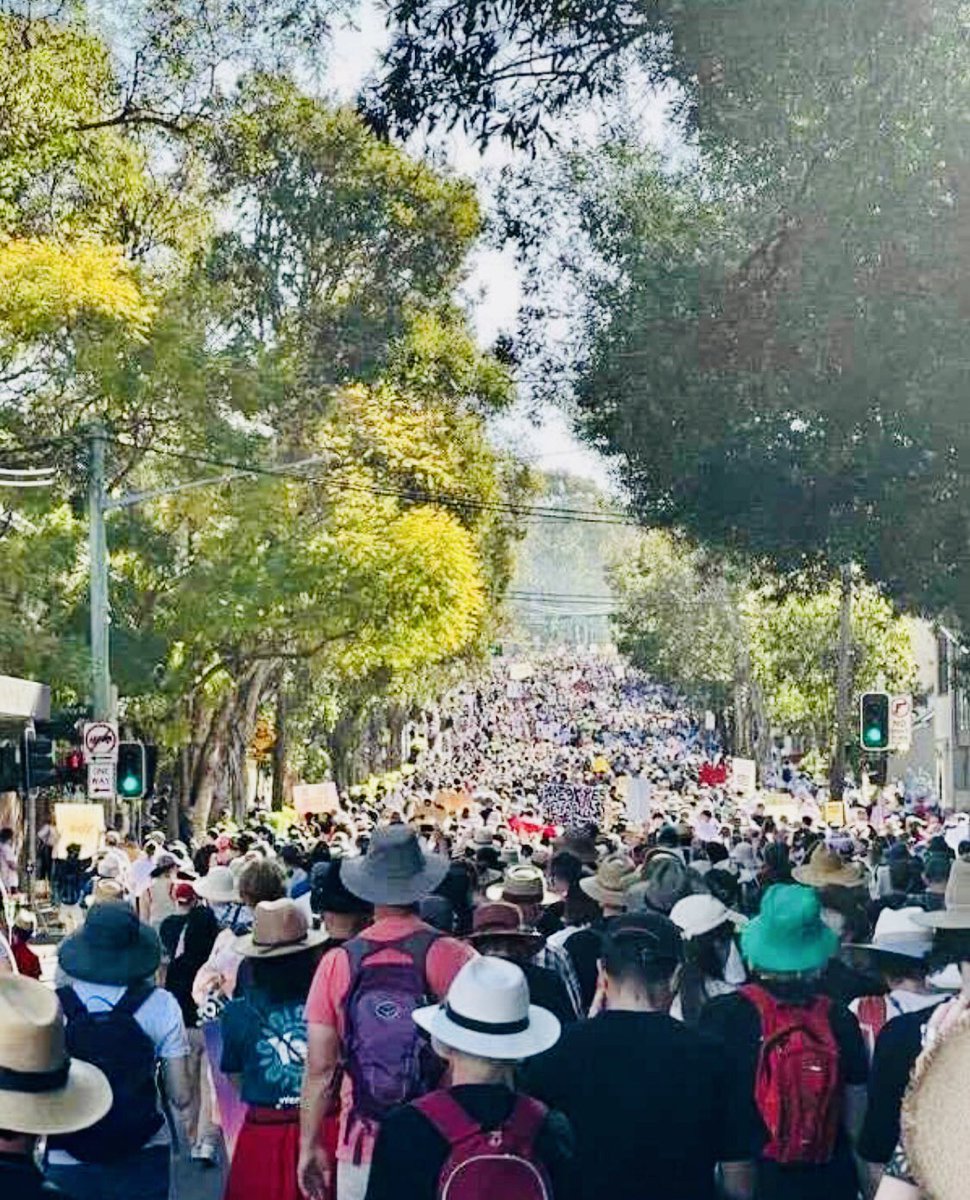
[712,964]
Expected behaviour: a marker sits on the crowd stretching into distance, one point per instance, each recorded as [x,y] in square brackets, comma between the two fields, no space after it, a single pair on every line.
[560,957]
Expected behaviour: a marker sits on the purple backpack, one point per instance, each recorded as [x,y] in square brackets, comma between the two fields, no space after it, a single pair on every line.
[388,1058]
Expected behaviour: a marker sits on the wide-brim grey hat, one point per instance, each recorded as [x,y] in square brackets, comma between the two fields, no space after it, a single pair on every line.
[112,946]
[395,870]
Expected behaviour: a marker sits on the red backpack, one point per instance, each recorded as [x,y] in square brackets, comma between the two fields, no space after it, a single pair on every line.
[798,1083]
[484,1164]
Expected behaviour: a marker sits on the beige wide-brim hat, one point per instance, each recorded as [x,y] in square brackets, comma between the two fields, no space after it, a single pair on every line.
[936,1116]
[280,927]
[610,884]
[42,1091]
[826,869]
[522,884]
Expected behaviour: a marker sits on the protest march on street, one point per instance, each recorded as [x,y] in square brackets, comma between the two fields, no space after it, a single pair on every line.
[546,960]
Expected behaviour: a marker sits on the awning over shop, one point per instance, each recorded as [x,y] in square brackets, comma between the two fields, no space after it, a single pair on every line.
[23,699]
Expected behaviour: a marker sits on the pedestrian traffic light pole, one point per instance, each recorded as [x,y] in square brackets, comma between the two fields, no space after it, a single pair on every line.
[99,505]
[100,617]
[843,687]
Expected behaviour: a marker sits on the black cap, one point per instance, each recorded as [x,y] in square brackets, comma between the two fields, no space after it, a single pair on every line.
[658,938]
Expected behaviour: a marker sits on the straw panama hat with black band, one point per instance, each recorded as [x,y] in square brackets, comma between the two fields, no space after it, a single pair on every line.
[955,913]
[487,1014]
[280,927]
[42,1090]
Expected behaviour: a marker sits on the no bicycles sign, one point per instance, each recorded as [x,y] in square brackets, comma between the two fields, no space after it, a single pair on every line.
[100,741]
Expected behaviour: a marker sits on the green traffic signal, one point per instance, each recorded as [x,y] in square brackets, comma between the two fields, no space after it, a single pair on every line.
[874,721]
[132,770]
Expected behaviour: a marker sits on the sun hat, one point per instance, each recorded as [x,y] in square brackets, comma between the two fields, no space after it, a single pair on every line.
[395,871]
[935,1113]
[788,936]
[106,889]
[280,927]
[898,933]
[487,1014]
[219,886]
[482,837]
[826,869]
[25,921]
[42,1090]
[613,879]
[523,884]
[664,880]
[696,915]
[659,940]
[328,894]
[502,921]
[109,868]
[112,946]
[955,913]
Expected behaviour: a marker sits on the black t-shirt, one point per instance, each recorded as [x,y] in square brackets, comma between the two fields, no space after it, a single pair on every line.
[897,1049]
[20,1180]
[652,1103]
[843,983]
[736,1022]
[410,1153]
[547,990]
[584,948]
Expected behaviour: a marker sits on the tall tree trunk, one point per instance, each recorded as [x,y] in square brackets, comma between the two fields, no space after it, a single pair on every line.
[279,748]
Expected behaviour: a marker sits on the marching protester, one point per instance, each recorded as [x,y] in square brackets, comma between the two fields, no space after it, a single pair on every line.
[264,1042]
[653,1104]
[478,1137]
[120,1021]
[44,1091]
[388,969]
[799,1055]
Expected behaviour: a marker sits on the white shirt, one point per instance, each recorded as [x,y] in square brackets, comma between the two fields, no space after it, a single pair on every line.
[9,876]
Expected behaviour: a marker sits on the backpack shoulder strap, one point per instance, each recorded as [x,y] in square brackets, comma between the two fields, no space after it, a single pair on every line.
[71,1003]
[765,1004]
[357,949]
[417,945]
[527,1118]
[447,1116]
[133,999]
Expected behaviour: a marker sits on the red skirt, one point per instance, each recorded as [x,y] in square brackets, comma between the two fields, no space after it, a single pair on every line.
[264,1163]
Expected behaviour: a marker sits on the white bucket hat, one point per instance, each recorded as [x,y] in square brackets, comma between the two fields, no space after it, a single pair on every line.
[696,915]
[219,886]
[487,1014]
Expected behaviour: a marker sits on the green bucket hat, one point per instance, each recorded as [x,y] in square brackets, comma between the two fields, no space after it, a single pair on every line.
[789,935]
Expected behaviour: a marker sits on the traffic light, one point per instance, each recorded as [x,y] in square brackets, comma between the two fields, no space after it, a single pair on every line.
[874,721]
[132,770]
[38,761]
[73,772]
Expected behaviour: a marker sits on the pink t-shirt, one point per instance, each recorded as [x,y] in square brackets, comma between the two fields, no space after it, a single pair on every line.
[325,1003]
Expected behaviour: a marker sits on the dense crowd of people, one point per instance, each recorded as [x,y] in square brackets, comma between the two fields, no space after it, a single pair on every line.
[561,957]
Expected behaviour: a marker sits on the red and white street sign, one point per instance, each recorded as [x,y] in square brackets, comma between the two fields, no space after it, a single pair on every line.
[99,741]
[900,722]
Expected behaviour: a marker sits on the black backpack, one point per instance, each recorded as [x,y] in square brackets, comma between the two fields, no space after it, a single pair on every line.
[115,1042]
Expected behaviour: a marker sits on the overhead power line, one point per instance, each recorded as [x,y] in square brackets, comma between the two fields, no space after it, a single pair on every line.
[536,511]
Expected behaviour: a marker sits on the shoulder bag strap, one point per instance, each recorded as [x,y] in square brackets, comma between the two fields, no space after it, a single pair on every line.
[447,1116]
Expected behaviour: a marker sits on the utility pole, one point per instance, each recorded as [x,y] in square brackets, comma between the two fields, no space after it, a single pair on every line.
[843,686]
[98,544]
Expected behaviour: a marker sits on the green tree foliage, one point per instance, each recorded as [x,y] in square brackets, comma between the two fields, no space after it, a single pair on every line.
[686,616]
[289,297]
